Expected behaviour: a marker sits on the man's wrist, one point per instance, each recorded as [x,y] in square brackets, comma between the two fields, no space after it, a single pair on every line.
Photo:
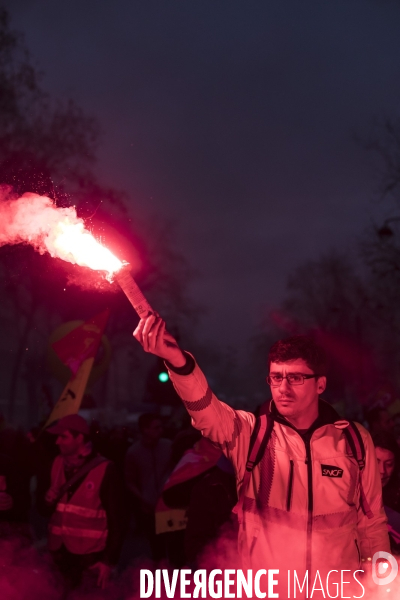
[186,368]
[178,361]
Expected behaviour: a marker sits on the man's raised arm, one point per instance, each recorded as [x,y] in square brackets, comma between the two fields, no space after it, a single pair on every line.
[229,428]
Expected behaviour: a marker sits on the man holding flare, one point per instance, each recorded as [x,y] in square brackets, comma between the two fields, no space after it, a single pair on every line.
[308,503]
[311,496]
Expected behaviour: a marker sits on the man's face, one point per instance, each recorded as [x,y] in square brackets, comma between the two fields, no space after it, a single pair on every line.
[385,463]
[295,400]
[68,444]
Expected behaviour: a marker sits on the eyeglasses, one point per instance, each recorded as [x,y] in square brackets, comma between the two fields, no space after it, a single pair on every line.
[292,378]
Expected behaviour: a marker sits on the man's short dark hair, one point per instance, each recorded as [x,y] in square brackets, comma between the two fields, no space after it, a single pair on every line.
[146,420]
[299,346]
[387,441]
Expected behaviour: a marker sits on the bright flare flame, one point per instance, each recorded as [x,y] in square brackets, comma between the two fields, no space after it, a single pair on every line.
[74,244]
[36,220]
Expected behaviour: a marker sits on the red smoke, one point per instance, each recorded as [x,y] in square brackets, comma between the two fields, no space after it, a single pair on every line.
[24,575]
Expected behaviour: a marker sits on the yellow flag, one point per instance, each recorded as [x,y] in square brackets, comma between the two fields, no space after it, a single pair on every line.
[71,397]
[77,350]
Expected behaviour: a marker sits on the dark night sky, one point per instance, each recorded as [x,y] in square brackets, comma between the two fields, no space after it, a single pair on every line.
[236,120]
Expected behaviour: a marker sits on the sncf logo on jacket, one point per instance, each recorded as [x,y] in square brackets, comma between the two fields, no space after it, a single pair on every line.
[331,471]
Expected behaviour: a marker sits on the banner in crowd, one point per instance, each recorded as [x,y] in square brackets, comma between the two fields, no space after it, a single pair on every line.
[197,460]
[77,350]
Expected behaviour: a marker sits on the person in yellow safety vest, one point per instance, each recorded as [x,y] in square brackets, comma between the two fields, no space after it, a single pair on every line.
[86,529]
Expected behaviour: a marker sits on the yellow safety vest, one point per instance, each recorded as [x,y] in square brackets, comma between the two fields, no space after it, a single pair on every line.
[79,523]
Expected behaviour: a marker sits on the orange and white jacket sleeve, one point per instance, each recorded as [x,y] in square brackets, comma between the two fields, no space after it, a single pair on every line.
[228,428]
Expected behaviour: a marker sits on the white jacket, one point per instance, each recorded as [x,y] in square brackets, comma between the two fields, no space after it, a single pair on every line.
[299,512]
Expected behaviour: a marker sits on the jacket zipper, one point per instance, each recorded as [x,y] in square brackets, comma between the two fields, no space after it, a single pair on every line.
[359,553]
[310,503]
[290,486]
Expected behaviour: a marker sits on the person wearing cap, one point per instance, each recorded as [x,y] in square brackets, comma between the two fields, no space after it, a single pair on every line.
[86,529]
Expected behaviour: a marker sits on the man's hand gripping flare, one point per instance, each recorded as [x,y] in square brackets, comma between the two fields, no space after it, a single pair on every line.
[151,333]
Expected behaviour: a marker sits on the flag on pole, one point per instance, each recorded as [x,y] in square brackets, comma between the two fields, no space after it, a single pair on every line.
[77,350]
[195,461]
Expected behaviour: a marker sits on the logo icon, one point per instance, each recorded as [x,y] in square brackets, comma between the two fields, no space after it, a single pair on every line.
[381,575]
[331,471]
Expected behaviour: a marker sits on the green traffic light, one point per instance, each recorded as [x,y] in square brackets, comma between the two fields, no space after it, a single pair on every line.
[163,376]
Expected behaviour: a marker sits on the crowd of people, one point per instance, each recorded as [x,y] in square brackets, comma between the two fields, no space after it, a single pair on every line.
[96,498]
[88,495]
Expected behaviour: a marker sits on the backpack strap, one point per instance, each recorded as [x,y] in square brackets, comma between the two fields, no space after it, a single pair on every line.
[258,443]
[357,447]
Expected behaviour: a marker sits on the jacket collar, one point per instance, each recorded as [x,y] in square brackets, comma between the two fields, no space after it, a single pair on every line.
[327,415]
